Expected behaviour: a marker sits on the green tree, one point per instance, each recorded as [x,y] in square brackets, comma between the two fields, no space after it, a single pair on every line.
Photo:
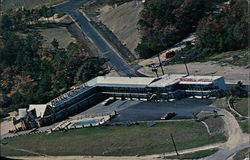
[238,90]
[6,22]
[55,44]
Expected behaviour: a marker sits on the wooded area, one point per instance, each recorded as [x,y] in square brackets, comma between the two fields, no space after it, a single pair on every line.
[224,31]
[217,25]
[32,73]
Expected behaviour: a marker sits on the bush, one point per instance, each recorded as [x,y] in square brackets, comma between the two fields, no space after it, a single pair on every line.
[238,90]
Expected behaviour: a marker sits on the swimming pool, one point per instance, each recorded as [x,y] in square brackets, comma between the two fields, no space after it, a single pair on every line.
[87,122]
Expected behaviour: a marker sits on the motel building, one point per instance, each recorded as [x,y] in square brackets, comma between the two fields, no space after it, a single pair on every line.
[84,96]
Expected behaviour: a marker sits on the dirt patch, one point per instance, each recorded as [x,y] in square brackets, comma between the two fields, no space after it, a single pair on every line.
[87,158]
[112,73]
[59,33]
[233,130]
[122,21]
[232,74]
[7,124]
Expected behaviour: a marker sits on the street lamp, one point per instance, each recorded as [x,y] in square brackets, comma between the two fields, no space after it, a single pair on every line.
[154,69]
[160,64]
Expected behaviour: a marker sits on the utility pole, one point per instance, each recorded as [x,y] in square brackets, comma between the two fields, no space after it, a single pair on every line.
[160,64]
[185,65]
[186,68]
[174,146]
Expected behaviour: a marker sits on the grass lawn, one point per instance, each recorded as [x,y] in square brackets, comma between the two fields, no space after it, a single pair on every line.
[221,103]
[194,155]
[14,4]
[242,105]
[115,140]
[238,57]
[244,125]
[215,125]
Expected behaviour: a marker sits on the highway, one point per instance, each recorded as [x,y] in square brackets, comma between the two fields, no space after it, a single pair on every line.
[118,63]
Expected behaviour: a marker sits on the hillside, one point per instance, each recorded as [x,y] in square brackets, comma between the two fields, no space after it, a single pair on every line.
[164,23]
[32,72]
[226,30]
[122,21]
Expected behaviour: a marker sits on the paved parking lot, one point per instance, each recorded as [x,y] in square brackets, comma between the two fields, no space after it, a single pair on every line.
[131,111]
[146,111]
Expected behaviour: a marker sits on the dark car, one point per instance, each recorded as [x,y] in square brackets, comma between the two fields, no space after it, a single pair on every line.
[168,116]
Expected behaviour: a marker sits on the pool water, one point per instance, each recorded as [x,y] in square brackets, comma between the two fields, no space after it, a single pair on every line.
[87,122]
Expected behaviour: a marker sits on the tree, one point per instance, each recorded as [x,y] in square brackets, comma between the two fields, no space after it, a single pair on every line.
[6,22]
[165,22]
[238,90]
[44,12]
[55,44]
[218,33]
[27,14]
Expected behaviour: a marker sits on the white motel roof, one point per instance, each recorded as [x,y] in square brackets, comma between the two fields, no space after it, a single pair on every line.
[120,81]
[163,81]
[39,108]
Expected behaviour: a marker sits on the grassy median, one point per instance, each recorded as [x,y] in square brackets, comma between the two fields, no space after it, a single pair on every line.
[242,105]
[114,140]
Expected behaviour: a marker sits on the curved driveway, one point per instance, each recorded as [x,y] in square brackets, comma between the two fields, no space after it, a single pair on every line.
[237,140]
[119,64]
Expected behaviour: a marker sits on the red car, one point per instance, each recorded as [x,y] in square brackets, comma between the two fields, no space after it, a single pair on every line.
[169,115]
[168,54]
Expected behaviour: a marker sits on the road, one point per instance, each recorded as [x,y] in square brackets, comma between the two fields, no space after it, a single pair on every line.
[118,63]
[237,140]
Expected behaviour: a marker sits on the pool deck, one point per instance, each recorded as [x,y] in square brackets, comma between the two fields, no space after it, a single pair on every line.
[69,123]
[102,119]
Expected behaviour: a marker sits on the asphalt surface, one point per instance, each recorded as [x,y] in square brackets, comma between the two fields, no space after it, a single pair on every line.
[225,153]
[118,63]
[148,111]
[132,111]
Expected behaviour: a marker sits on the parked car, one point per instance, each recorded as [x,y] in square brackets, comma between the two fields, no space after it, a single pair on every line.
[168,115]
[108,101]
[168,54]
